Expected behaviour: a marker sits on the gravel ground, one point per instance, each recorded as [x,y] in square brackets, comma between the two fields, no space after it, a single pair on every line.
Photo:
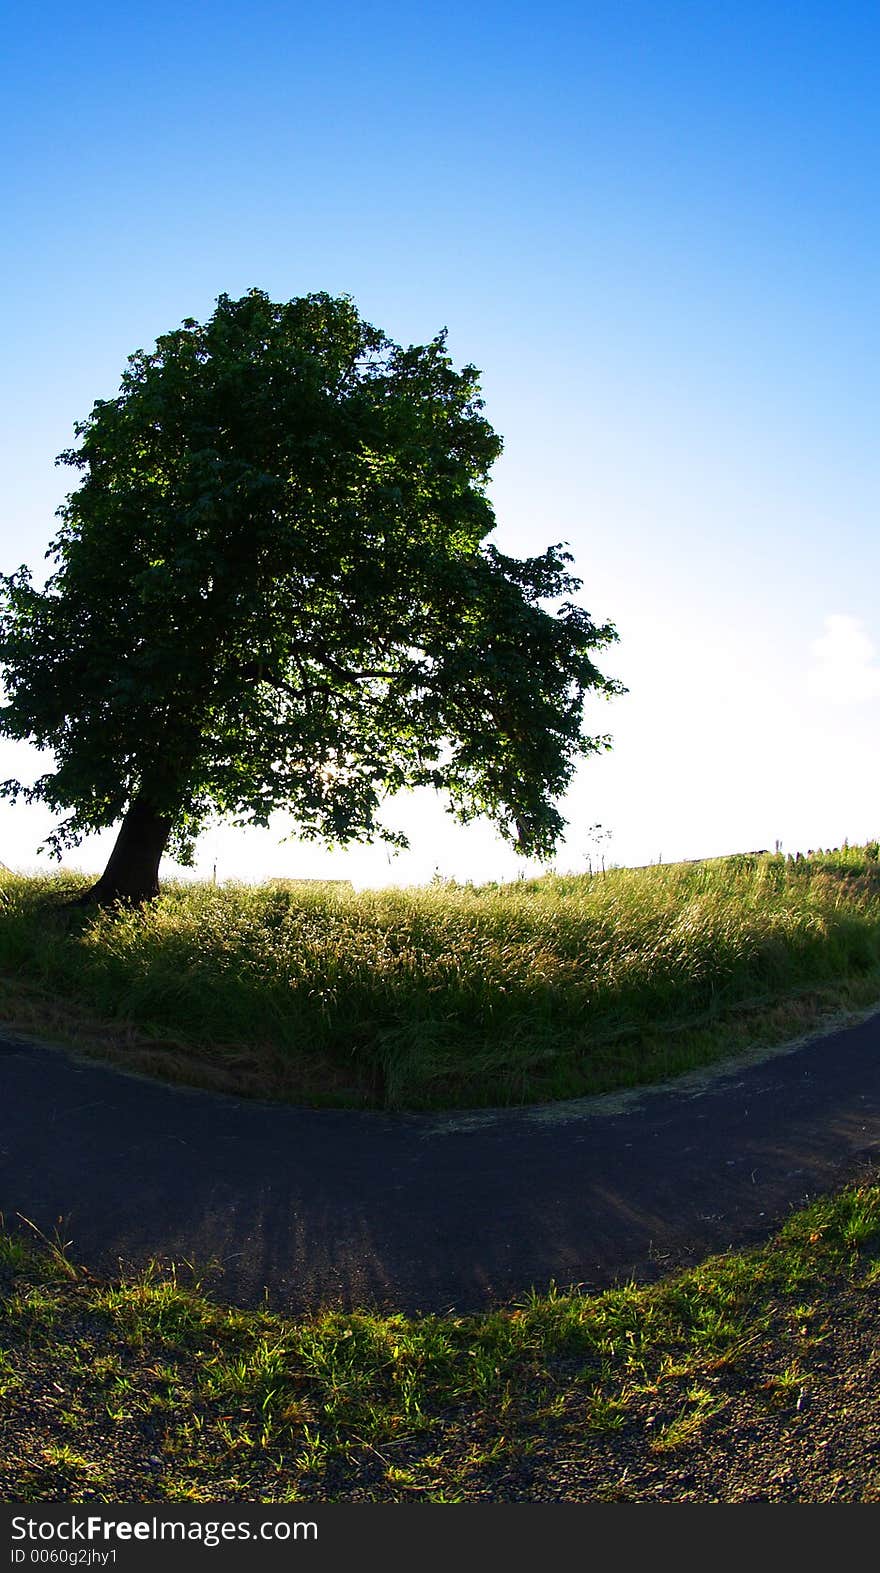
[817,1440]
[795,1417]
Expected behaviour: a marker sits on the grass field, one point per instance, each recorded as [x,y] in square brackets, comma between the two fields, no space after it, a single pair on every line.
[448,995]
[753,1377]
[750,1378]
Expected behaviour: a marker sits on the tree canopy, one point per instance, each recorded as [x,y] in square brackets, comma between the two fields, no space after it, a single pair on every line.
[272,588]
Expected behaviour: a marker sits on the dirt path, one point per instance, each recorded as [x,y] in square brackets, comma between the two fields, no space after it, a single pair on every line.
[424,1212]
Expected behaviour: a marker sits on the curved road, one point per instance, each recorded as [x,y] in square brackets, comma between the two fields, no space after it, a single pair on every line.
[427,1212]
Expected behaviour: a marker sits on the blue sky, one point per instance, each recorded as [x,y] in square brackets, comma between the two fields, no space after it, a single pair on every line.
[655,229]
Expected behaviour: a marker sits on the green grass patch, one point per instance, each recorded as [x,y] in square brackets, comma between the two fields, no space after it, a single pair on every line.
[141,1389]
[449,995]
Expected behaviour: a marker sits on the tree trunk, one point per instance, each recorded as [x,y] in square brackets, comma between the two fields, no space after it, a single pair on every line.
[132,873]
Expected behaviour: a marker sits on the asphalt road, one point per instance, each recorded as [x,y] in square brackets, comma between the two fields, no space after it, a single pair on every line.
[310,1207]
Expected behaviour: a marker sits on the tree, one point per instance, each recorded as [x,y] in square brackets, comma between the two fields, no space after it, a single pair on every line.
[272,589]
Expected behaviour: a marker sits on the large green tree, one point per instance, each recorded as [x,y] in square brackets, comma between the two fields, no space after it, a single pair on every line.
[272,589]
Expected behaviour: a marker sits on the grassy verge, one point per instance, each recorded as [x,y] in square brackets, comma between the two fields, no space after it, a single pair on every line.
[450,995]
[750,1378]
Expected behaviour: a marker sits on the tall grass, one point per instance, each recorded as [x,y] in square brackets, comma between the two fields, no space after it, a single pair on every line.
[453,994]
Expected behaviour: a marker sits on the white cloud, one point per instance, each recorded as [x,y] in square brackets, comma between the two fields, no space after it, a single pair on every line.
[845,672]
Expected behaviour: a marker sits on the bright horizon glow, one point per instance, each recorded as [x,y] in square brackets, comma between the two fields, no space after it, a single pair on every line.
[656,233]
